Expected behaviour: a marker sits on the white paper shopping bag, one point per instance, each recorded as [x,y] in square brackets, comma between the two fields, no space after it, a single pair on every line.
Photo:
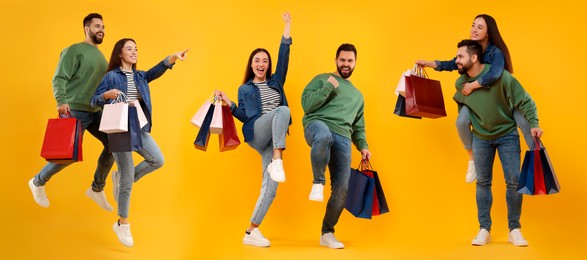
[198,118]
[401,85]
[216,125]
[114,118]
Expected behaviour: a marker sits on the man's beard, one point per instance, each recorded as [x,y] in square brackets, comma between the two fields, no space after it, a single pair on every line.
[345,75]
[95,38]
[465,67]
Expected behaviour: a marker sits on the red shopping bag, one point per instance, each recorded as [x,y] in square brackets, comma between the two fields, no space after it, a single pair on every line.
[379,201]
[63,140]
[539,186]
[228,140]
[424,97]
[550,179]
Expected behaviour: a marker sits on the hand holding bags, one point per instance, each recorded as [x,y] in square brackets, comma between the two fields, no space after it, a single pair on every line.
[424,96]
[365,196]
[537,176]
[215,118]
[63,140]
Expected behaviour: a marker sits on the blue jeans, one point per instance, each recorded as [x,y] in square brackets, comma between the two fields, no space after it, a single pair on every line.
[332,150]
[508,148]
[129,173]
[91,122]
[269,133]
[464,127]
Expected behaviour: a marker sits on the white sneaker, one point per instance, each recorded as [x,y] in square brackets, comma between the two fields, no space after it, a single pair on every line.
[471,172]
[39,194]
[123,233]
[275,169]
[515,237]
[482,238]
[329,240]
[317,193]
[255,238]
[115,184]
[99,198]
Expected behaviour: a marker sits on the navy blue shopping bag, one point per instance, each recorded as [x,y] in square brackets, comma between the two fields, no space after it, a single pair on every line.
[130,140]
[360,194]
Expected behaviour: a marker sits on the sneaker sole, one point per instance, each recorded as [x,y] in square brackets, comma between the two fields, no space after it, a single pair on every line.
[482,244]
[276,179]
[318,199]
[252,243]
[520,245]
[333,247]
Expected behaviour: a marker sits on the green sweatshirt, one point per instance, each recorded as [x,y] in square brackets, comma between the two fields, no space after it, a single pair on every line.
[492,108]
[341,109]
[80,70]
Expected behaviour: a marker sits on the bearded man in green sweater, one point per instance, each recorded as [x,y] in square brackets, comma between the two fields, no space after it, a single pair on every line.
[79,71]
[333,117]
[494,129]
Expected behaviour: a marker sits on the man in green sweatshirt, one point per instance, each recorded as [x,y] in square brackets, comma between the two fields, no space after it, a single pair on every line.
[494,129]
[333,117]
[79,71]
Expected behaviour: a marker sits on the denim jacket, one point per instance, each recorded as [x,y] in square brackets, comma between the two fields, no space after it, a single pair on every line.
[116,79]
[249,97]
[492,55]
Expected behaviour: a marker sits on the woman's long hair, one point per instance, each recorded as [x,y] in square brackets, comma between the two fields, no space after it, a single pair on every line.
[115,59]
[249,73]
[495,39]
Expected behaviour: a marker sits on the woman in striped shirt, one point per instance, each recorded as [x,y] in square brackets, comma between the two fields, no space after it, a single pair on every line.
[262,107]
[123,77]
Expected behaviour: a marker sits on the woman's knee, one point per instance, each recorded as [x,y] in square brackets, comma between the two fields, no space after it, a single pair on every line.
[283,110]
[157,161]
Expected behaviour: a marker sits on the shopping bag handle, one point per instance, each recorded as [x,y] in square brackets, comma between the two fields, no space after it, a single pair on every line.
[365,165]
[66,115]
[537,144]
[420,71]
[120,98]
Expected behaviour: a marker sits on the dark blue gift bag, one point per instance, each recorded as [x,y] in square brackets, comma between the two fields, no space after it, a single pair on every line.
[130,140]
[359,200]
[526,179]
[203,136]
[400,107]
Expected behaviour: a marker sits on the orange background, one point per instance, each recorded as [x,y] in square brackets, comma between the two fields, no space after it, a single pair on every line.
[198,205]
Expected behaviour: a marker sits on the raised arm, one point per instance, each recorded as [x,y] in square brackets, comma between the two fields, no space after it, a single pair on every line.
[287,28]
[159,69]
[283,56]
[317,92]
[178,56]
[448,65]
